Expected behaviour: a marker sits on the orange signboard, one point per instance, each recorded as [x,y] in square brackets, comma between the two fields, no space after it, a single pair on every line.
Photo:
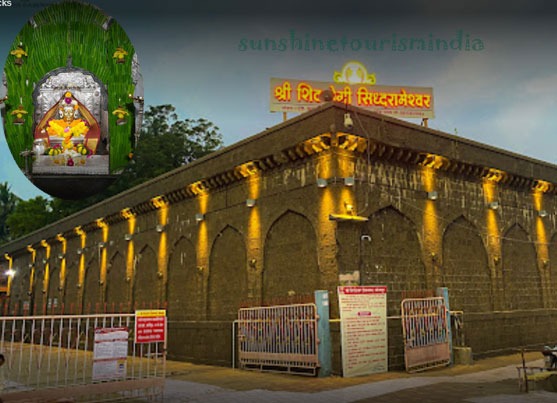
[289,95]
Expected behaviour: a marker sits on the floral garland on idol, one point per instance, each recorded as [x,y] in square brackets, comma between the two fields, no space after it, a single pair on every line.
[68,153]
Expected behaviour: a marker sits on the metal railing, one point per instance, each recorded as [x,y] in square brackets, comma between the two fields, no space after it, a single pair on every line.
[425,333]
[44,353]
[279,338]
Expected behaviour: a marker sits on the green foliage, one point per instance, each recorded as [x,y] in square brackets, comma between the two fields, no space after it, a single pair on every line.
[168,143]
[70,29]
[8,202]
[28,216]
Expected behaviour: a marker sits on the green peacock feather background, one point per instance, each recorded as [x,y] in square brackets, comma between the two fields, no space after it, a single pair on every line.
[76,29]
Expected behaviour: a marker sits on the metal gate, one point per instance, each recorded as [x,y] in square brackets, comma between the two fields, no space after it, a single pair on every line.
[425,333]
[52,357]
[279,338]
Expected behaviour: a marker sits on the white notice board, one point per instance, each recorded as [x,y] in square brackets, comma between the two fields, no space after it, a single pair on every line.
[110,353]
[363,315]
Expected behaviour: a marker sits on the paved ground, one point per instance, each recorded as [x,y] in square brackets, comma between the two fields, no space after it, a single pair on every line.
[492,380]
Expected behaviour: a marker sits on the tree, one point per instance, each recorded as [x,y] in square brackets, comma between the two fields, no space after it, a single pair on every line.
[8,202]
[167,143]
[28,216]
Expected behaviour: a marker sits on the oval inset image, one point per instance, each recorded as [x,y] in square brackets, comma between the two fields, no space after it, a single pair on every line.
[73,100]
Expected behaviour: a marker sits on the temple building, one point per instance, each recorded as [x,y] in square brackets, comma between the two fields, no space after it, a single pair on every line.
[306,205]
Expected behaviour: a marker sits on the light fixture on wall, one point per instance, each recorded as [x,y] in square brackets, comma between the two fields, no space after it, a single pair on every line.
[128,237]
[10,272]
[102,245]
[61,256]
[160,228]
[79,251]
[349,181]
[494,205]
[250,202]
[542,213]
[199,217]
[322,182]
[433,195]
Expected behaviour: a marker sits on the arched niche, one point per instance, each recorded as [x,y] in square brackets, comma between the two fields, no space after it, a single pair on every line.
[146,281]
[91,287]
[117,285]
[521,277]
[395,259]
[465,268]
[71,289]
[290,264]
[182,291]
[227,286]
[53,294]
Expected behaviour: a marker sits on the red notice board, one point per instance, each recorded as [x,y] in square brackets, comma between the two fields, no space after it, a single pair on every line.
[150,326]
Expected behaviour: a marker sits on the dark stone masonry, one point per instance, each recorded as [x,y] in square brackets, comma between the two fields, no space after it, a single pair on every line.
[388,202]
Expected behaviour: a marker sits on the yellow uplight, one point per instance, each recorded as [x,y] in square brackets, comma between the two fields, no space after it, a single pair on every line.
[163,247]
[104,227]
[64,242]
[10,270]
[79,231]
[432,233]
[543,249]
[542,186]
[101,223]
[202,232]
[254,219]
[247,169]
[159,202]
[327,203]
[494,175]
[130,255]
[198,188]
[127,213]
[494,245]
[434,161]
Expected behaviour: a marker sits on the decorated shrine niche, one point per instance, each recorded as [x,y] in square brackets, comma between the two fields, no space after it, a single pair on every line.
[71,99]
[71,124]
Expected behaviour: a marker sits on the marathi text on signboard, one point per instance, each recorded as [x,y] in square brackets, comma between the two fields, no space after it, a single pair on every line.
[363,316]
[288,95]
[110,353]
[150,326]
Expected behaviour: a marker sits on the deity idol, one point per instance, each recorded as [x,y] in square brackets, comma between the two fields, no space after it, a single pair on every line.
[68,126]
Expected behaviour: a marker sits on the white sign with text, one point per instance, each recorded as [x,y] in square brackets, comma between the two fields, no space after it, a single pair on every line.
[363,315]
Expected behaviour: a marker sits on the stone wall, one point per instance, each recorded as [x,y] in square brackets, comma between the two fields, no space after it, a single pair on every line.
[188,241]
